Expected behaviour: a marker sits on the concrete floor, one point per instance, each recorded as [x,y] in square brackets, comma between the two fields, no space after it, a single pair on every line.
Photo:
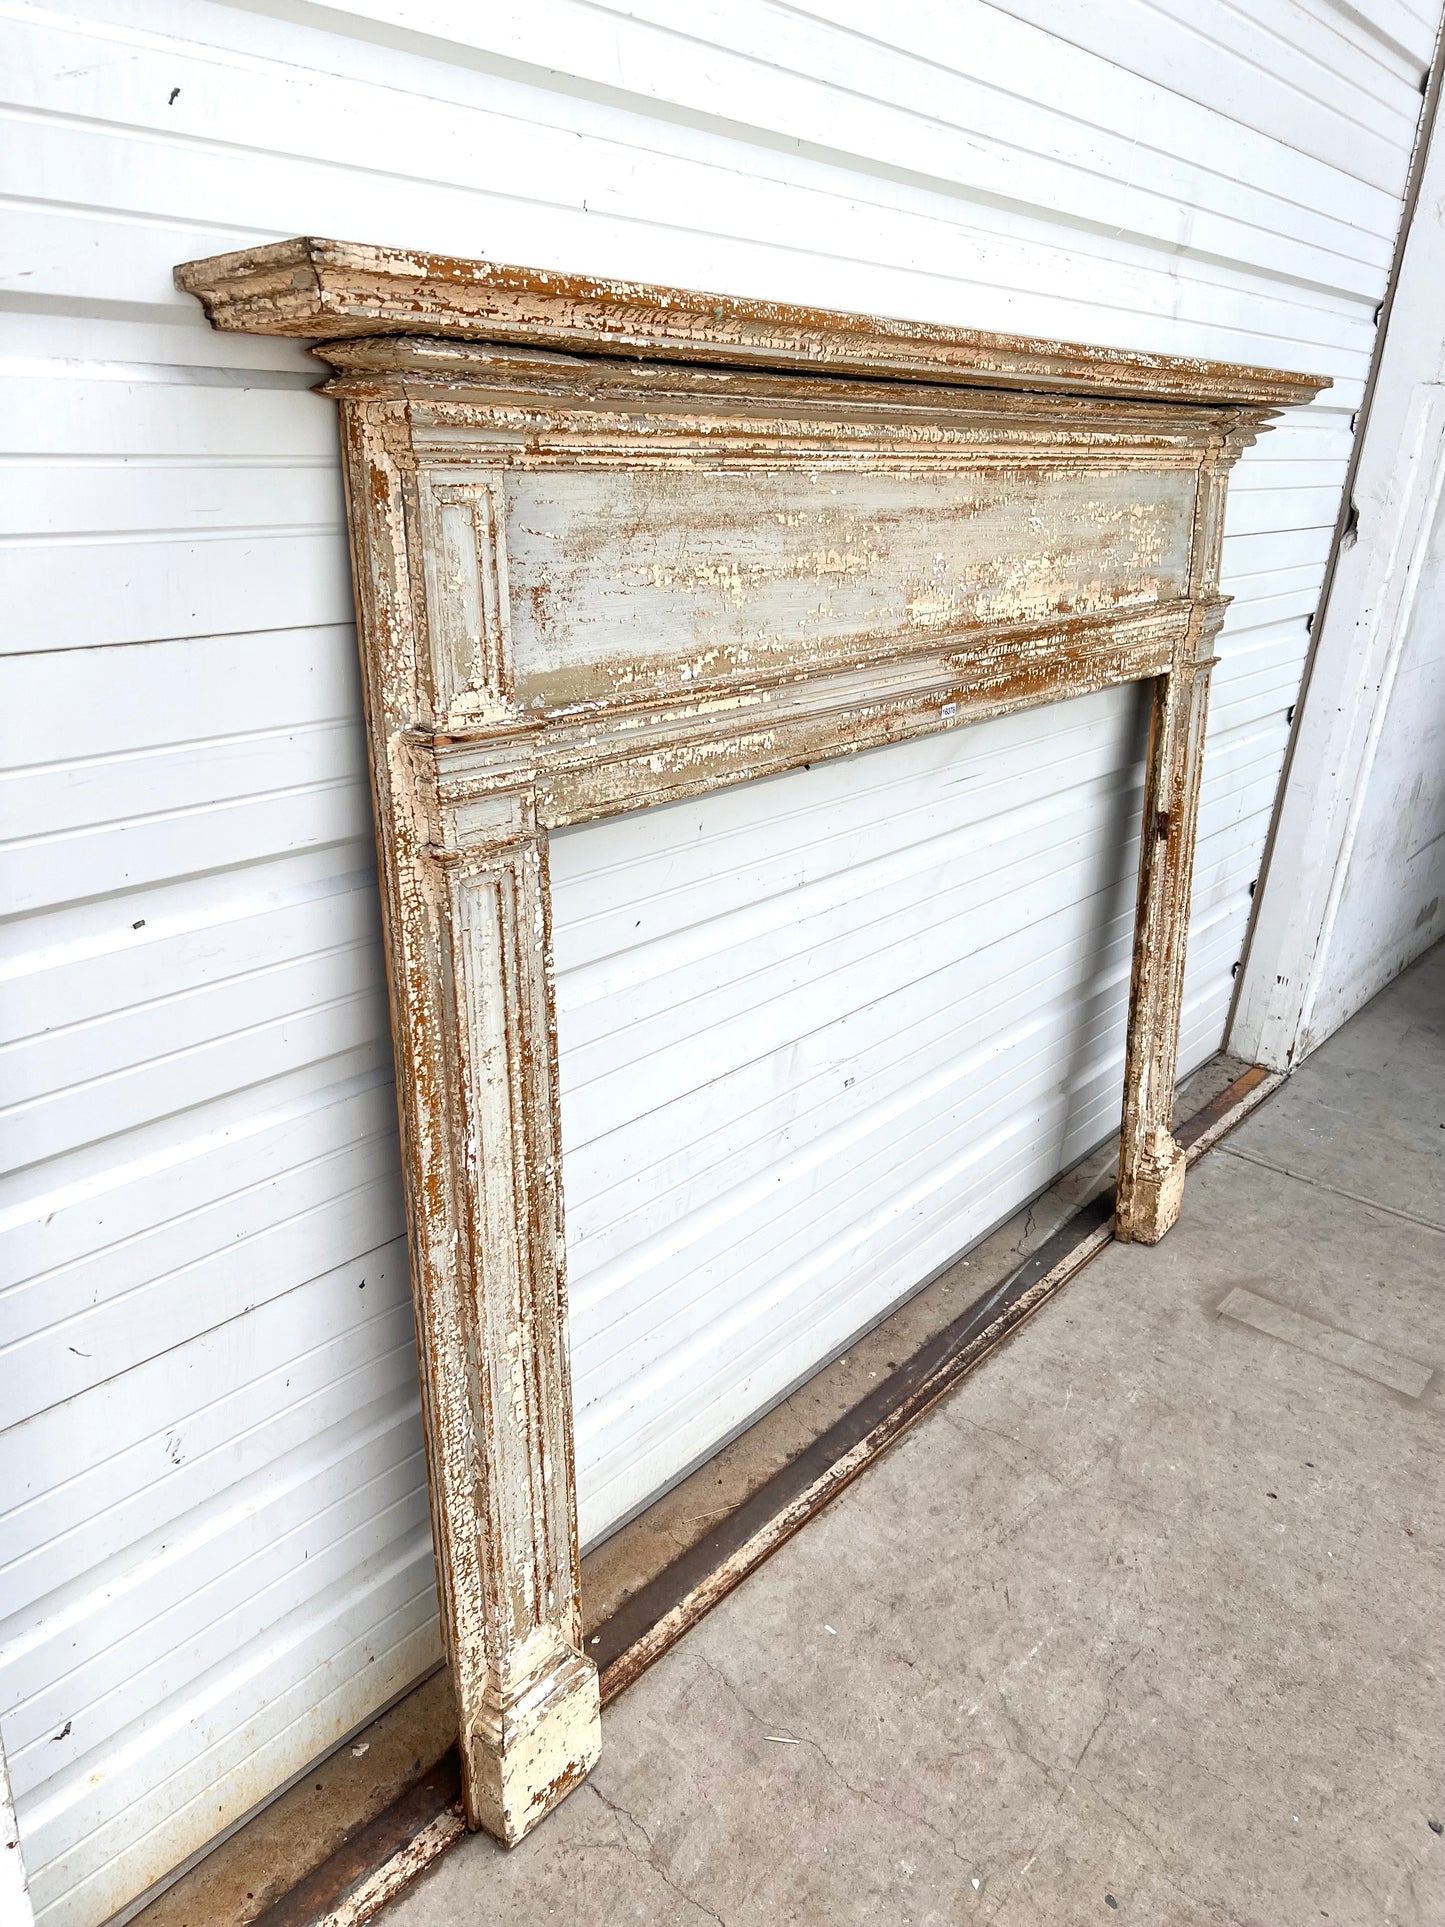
[1145,1622]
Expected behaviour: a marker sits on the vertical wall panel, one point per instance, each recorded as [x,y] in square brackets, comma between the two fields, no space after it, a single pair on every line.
[1392,906]
[214,1555]
[1355,888]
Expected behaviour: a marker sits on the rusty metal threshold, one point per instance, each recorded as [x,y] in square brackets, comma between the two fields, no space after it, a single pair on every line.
[381,1857]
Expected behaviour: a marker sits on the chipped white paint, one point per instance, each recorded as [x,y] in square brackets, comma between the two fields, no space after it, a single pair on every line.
[645,583]
[366,1900]
[694,594]
[15,1908]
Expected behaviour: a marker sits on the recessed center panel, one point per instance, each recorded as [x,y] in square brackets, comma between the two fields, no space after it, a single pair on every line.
[646,582]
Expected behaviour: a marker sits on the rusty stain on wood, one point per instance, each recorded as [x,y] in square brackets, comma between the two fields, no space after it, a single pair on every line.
[354,1883]
[587,583]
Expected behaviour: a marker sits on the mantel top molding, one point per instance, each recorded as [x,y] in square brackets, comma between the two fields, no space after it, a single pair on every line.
[320,289]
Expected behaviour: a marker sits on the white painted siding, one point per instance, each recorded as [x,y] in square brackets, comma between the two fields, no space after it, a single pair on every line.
[818,1033]
[215,1555]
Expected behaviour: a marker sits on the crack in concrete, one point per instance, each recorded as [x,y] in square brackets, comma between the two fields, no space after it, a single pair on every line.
[651,1857]
[1111,1705]
[1021,1248]
[1129,1821]
[1070,1775]
[988,1431]
[869,1795]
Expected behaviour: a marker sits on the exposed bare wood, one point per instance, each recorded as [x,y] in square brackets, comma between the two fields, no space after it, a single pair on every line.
[469,966]
[587,585]
[398,1873]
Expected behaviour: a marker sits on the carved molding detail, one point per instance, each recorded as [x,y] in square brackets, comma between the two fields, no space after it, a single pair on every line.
[588,584]
[468,614]
[328,289]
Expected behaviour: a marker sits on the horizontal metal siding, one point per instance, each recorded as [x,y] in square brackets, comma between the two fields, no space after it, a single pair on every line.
[216,1543]
[818,1033]
[215,1551]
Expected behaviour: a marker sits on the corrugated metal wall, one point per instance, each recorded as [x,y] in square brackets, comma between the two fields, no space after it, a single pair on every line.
[215,1548]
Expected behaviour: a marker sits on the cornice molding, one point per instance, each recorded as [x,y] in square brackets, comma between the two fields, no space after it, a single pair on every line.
[323,289]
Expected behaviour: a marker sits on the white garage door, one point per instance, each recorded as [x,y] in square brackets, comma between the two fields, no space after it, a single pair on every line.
[817,1034]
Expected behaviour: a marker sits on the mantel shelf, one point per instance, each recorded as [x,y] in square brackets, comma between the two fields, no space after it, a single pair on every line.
[319,288]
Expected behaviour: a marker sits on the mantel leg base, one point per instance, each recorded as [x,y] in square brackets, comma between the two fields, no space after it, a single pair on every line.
[527,1752]
[1151,1195]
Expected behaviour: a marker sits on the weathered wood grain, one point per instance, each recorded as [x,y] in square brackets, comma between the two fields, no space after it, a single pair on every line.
[589,766]
[587,585]
[1151,1163]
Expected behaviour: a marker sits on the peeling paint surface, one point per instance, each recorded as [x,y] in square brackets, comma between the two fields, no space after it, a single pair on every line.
[311,287]
[584,587]
[641,582]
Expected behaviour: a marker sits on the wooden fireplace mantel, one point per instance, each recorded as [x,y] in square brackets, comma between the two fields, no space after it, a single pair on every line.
[614,545]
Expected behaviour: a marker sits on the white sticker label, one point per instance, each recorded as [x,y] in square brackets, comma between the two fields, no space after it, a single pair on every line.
[949,711]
